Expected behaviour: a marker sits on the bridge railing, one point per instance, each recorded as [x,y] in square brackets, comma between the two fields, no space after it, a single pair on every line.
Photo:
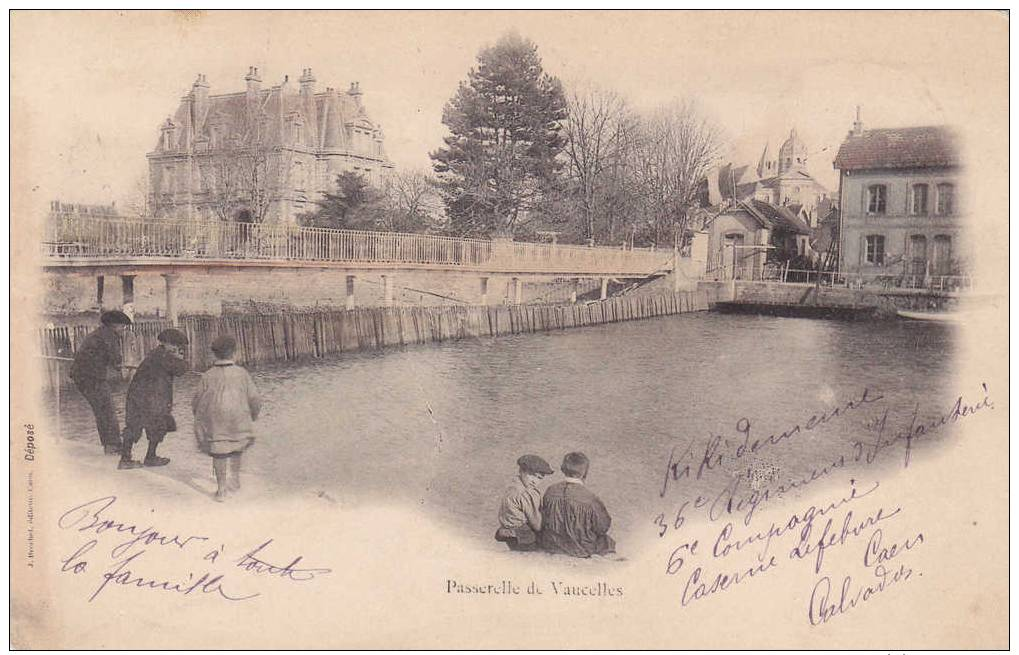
[75,236]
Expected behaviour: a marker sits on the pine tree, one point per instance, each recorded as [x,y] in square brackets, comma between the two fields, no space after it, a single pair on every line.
[354,206]
[500,156]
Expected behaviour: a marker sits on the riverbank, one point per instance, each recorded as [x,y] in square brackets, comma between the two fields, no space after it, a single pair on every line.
[293,336]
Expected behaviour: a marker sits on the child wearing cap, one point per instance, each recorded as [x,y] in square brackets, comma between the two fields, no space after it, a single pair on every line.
[519,514]
[225,407]
[150,398]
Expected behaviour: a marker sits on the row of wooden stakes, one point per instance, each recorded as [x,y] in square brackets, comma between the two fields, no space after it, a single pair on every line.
[292,336]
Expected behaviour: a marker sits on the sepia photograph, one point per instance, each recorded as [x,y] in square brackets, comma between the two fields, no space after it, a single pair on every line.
[480,329]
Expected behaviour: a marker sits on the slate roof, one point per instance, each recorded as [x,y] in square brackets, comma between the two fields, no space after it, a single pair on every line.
[904,147]
[328,117]
[777,218]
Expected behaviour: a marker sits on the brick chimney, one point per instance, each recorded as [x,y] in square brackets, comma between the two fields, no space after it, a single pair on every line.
[857,124]
[254,81]
[307,82]
[199,97]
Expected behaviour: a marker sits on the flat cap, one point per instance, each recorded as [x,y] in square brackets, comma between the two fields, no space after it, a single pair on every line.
[173,336]
[114,317]
[534,464]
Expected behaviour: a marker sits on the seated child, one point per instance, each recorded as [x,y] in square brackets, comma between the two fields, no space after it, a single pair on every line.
[519,515]
[574,520]
[225,407]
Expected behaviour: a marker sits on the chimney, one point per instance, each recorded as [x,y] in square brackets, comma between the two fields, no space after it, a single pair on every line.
[857,124]
[200,97]
[307,82]
[167,135]
[355,93]
[254,81]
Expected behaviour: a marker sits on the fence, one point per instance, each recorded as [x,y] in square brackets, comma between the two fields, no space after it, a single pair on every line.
[77,236]
[294,336]
[721,269]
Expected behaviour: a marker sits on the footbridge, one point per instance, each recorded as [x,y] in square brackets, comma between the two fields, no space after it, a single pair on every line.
[95,247]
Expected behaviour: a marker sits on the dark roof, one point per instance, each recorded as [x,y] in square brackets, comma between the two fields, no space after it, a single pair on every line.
[904,147]
[778,218]
[329,117]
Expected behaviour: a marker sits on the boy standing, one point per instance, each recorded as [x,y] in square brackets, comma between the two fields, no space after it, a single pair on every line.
[150,398]
[225,407]
[519,515]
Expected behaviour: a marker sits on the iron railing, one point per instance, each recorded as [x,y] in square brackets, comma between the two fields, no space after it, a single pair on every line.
[75,236]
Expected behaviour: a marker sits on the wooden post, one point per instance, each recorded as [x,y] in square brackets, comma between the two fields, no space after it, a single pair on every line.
[100,284]
[350,292]
[604,288]
[573,290]
[387,290]
[171,302]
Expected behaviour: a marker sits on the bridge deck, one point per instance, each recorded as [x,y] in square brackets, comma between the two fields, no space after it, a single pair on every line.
[88,245]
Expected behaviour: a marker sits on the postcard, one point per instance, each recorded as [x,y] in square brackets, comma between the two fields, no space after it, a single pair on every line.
[509,330]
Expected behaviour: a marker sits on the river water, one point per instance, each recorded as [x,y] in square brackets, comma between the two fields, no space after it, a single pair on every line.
[440,426]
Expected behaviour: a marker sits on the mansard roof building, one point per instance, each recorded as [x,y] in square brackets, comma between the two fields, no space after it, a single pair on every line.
[262,154]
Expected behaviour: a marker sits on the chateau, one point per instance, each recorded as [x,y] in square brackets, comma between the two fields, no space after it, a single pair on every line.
[262,154]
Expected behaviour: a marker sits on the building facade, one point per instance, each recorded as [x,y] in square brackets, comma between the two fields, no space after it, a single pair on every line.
[900,204]
[263,154]
[782,181]
[747,235]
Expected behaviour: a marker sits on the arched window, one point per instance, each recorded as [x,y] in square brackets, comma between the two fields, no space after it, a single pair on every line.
[946,198]
[918,200]
[877,196]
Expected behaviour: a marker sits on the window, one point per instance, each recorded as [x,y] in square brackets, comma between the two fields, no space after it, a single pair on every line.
[876,199]
[875,251]
[946,199]
[918,200]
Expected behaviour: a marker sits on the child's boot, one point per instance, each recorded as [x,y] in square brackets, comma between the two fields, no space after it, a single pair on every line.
[152,459]
[219,467]
[125,457]
[235,472]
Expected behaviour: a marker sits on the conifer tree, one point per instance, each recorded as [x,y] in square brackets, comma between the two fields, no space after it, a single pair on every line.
[501,154]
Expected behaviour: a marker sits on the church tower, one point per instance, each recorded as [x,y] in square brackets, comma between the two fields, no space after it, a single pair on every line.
[792,156]
[766,165]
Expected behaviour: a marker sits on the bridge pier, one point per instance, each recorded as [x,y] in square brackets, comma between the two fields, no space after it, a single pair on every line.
[517,289]
[604,288]
[349,301]
[387,290]
[574,283]
[171,301]
[484,291]
[127,284]
[100,287]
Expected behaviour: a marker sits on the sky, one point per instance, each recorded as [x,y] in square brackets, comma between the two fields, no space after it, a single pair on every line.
[90,89]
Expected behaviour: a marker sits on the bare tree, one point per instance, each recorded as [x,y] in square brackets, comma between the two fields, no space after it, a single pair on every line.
[412,201]
[669,155]
[595,135]
[248,172]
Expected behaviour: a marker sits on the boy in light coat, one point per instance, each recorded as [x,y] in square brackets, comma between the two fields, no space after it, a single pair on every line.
[225,407]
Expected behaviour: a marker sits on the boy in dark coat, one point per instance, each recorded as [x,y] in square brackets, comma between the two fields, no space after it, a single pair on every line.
[574,520]
[150,398]
[97,355]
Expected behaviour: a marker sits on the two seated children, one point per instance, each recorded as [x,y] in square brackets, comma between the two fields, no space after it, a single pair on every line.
[568,519]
